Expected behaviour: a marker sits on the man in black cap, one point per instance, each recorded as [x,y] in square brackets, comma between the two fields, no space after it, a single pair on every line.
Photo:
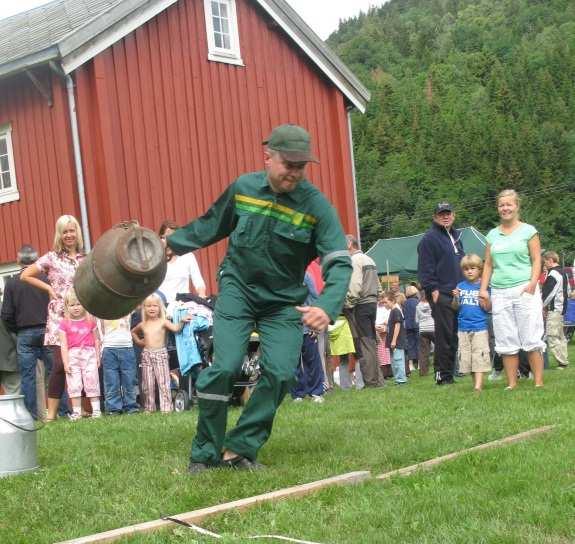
[440,252]
[24,311]
[277,223]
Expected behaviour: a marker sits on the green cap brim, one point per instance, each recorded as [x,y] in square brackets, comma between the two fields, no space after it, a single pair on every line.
[295,155]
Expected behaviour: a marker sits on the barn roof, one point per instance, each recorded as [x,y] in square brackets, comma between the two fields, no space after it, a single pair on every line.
[71,32]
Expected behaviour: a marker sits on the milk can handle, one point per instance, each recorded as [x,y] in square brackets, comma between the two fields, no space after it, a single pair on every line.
[22,428]
[143,257]
[134,225]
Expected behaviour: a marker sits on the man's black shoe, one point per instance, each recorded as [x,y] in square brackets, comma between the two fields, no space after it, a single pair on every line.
[445,381]
[196,468]
[242,463]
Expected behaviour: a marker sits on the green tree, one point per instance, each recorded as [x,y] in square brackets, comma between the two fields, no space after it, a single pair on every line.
[468,97]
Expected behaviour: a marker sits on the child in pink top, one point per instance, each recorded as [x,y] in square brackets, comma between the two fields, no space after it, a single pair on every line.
[80,348]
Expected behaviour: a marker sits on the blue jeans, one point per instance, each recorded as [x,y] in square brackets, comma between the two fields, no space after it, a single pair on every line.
[120,379]
[398,365]
[30,347]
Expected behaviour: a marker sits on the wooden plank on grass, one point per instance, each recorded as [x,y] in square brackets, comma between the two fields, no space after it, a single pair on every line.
[196,516]
[425,465]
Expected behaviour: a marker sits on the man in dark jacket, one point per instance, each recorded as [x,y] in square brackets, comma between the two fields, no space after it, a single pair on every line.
[439,255]
[24,312]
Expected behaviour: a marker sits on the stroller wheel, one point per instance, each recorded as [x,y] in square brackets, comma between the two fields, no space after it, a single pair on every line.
[181,401]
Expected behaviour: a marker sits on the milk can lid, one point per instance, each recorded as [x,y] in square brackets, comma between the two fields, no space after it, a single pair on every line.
[140,251]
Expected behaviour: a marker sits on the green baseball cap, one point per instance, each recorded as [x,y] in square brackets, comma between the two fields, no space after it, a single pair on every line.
[292,142]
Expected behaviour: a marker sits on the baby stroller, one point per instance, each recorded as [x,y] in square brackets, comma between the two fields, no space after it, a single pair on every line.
[569,319]
[183,385]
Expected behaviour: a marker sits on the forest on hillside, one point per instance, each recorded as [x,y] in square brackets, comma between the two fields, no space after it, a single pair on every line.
[468,97]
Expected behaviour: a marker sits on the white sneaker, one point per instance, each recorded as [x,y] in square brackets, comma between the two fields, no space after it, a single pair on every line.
[317,398]
[74,417]
[298,399]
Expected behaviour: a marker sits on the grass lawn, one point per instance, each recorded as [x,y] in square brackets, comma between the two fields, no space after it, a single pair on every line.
[103,474]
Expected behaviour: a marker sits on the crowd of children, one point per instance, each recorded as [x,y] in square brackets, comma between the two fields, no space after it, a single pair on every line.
[97,348]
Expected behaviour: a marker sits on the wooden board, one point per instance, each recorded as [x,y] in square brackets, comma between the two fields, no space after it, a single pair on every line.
[196,516]
[425,465]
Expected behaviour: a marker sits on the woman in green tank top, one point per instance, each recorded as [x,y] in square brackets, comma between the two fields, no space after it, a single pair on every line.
[512,268]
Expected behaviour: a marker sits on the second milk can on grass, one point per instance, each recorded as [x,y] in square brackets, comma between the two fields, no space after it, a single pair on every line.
[18,447]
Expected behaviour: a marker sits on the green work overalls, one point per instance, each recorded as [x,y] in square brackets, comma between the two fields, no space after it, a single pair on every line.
[272,239]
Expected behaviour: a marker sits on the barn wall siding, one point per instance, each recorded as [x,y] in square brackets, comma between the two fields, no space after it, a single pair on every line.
[171,129]
[163,130]
[43,163]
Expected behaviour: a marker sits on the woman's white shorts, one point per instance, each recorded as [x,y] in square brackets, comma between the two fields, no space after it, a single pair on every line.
[517,320]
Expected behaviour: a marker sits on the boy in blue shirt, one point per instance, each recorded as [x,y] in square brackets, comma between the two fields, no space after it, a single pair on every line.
[474,353]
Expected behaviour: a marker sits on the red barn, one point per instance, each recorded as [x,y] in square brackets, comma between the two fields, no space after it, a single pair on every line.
[148,109]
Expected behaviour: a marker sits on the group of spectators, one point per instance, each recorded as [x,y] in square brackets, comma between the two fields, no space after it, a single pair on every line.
[42,320]
[469,296]
[477,316]
[461,306]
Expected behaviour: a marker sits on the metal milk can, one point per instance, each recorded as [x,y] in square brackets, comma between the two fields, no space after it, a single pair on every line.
[18,448]
[126,265]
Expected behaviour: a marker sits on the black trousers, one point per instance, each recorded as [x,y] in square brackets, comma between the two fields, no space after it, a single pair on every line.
[445,318]
[361,320]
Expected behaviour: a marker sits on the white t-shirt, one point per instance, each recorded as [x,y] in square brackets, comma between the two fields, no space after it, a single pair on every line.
[115,333]
[382,315]
[181,269]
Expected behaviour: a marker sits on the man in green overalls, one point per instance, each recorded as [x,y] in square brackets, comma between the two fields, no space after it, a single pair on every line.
[277,223]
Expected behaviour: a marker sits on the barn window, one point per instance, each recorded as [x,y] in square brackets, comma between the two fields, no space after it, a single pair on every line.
[7,271]
[222,28]
[8,188]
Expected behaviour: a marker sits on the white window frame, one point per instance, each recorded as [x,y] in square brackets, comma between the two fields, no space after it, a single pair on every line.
[10,194]
[7,271]
[220,54]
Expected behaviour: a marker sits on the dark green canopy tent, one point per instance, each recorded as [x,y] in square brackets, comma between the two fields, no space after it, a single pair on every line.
[399,255]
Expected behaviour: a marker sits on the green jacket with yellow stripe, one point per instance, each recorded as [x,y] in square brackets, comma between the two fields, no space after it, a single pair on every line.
[272,239]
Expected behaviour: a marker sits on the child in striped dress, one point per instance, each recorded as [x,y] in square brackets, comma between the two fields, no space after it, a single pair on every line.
[383,355]
[155,365]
